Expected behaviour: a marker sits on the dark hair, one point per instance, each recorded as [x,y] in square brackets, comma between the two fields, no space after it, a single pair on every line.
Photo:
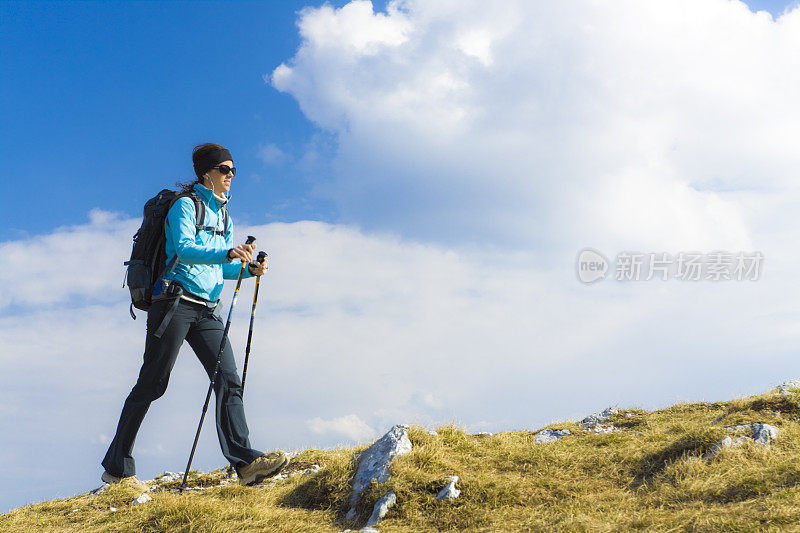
[199,151]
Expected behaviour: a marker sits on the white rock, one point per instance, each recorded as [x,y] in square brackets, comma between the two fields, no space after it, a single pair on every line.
[549,435]
[603,429]
[382,507]
[763,434]
[727,442]
[368,530]
[718,447]
[313,469]
[112,509]
[141,498]
[482,434]
[784,387]
[599,418]
[373,463]
[292,455]
[169,477]
[450,492]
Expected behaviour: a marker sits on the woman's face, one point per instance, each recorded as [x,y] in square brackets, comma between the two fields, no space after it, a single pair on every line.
[221,182]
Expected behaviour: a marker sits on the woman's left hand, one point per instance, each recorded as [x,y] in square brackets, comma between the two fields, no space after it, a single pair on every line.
[258,269]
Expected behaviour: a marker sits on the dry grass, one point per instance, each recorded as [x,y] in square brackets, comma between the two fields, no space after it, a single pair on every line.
[644,478]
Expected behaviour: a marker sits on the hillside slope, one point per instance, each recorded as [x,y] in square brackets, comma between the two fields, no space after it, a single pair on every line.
[626,470]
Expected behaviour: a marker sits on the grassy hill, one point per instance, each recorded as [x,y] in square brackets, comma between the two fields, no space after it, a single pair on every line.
[648,476]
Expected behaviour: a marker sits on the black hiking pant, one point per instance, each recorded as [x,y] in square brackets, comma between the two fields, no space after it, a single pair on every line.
[197,324]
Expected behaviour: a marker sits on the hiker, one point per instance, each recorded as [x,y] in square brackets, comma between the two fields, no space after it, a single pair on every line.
[198,257]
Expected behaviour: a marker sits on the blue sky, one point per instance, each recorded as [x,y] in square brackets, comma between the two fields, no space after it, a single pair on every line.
[423,180]
[775,7]
[107,99]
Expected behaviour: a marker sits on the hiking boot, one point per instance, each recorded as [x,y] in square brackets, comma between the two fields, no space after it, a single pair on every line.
[130,481]
[265,466]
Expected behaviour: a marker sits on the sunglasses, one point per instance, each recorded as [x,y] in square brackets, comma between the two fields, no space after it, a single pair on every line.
[224,169]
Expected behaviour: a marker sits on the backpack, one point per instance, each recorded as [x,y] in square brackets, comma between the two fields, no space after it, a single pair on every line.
[148,256]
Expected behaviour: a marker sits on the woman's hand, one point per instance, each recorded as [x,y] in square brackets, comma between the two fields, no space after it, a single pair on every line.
[243,252]
[258,269]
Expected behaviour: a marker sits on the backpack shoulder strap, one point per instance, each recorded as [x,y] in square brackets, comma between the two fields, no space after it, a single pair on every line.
[212,229]
[200,215]
[199,208]
[200,211]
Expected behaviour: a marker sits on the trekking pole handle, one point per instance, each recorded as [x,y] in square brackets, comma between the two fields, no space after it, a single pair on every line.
[250,240]
[262,256]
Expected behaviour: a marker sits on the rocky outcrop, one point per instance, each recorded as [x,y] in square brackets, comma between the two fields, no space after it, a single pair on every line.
[374,462]
[787,385]
[758,433]
[598,418]
[549,435]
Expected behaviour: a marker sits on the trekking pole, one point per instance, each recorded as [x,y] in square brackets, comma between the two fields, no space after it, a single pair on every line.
[261,257]
[250,240]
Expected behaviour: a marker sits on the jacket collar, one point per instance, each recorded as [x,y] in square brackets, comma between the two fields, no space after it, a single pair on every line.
[209,197]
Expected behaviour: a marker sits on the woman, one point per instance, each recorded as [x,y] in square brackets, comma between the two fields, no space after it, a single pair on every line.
[199,259]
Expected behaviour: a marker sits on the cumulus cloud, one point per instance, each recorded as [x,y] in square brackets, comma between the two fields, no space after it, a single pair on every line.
[387,329]
[82,261]
[553,124]
[351,426]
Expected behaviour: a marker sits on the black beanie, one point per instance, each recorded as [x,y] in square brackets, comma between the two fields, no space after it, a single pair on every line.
[213,158]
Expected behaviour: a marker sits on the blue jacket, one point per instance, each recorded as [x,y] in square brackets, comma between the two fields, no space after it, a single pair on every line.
[202,257]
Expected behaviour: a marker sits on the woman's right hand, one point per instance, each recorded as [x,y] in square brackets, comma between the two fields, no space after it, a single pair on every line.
[243,252]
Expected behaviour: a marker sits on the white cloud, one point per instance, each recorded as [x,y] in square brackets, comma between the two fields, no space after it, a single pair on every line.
[351,426]
[353,26]
[554,124]
[78,261]
[394,330]
[271,154]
